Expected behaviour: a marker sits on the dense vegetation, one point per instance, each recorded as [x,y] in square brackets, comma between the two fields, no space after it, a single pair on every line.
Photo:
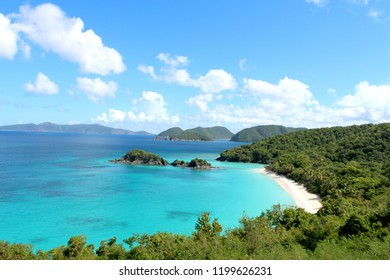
[191,136]
[348,166]
[171,132]
[137,156]
[141,157]
[195,134]
[215,133]
[261,132]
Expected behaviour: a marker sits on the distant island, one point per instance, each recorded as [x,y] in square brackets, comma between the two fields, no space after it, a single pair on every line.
[252,134]
[75,128]
[140,157]
[195,134]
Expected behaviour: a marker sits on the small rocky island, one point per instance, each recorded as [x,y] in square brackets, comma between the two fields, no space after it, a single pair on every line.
[140,157]
[196,163]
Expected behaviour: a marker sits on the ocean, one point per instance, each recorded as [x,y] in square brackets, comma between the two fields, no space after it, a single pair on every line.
[57,185]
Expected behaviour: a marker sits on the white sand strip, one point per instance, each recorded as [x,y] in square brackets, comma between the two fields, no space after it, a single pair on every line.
[308,201]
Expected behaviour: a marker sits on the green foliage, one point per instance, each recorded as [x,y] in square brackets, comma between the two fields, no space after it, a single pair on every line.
[137,156]
[171,132]
[205,229]
[191,136]
[261,132]
[214,133]
[196,134]
[16,251]
[198,163]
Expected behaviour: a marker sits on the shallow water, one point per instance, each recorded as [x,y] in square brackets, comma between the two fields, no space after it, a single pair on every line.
[53,186]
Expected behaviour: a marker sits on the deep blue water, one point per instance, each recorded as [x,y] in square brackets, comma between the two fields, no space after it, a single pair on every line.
[54,186]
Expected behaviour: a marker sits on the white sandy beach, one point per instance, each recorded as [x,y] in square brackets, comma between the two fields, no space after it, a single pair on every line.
[309,202]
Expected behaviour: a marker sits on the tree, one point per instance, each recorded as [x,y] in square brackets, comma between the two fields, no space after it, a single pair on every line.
[205,229]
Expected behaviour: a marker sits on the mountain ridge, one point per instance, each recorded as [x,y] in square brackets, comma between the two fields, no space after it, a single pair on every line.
[70,128]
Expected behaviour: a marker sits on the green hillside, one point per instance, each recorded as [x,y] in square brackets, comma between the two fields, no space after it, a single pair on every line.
[171,132]
[216,132]
[191,136]
[195,134]
[261,132]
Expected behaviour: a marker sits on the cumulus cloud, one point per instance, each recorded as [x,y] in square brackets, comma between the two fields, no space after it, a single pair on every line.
[290,102]
[214,81]
[96,89]
[175,61]
[148,70]
[112,116]
[201,101]
[49,27]
[8,38]
[41,86]
[150,108]
[369,102]
[288,93]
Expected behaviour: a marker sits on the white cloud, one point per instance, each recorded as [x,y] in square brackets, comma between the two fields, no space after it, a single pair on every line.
[287,93]
[370,103]
[49,27]
[148,70]
[173,61]
[41,86]
[319,3]
[8,38]
[290,102]
[26,49]
[201,101]
[215,80]
[96,89]
[113,116]
[150,108]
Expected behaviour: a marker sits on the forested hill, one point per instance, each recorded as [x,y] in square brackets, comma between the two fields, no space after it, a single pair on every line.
[350,161]
[196,134]
[261,132]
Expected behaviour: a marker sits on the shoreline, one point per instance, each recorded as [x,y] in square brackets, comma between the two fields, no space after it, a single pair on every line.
[308,201]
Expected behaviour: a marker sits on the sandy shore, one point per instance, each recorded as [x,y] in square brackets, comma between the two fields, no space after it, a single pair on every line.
[308,201]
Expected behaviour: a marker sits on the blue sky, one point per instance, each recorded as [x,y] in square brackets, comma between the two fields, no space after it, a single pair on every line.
[151,65]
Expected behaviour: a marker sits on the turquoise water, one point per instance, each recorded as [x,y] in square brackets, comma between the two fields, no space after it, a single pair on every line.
[53,186]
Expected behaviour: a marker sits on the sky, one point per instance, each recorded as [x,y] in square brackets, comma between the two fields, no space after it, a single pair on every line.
[151,65]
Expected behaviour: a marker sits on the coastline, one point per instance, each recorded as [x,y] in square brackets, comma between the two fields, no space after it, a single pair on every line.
[308,201]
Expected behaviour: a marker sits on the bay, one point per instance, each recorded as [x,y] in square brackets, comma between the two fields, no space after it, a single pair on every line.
[57,185]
